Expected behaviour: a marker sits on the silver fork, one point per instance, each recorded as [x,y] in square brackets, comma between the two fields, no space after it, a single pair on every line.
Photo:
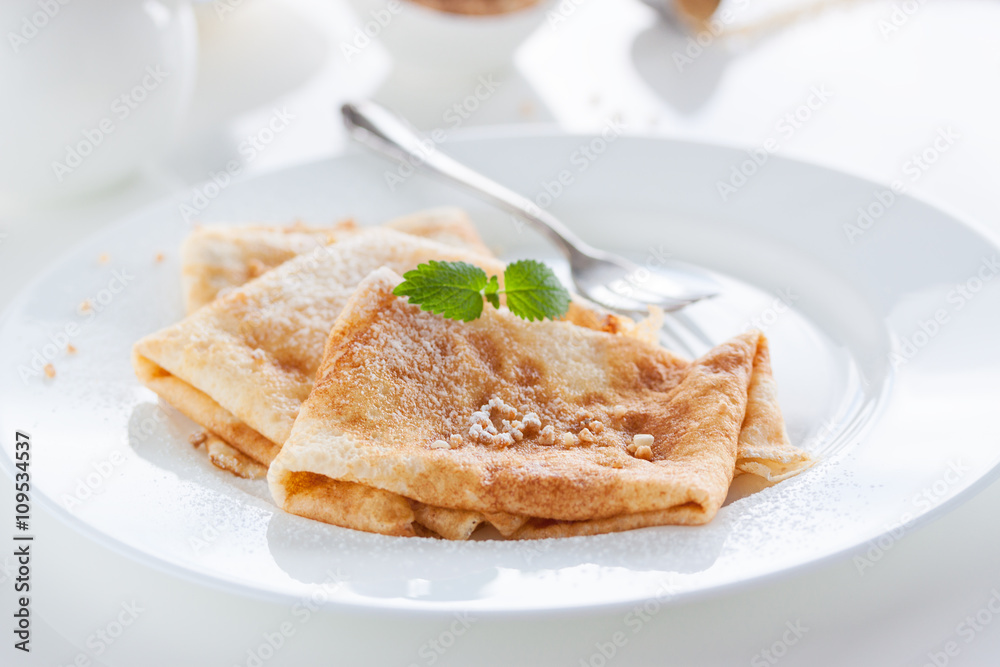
[603,277]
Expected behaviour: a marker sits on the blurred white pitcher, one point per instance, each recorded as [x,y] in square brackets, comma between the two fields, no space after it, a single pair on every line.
[91,89]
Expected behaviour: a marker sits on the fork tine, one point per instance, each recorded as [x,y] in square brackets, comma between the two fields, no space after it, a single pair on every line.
[660,284]
[691,341]
[674,343]
[668,304]
[679,331]
[690,326]
[626,289]
[653,297]
[628,302]
[629,288]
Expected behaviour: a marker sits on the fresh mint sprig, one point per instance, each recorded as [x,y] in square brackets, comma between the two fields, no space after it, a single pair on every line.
[457,289]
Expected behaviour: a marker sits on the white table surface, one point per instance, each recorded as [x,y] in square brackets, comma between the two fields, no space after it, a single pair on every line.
[889,96]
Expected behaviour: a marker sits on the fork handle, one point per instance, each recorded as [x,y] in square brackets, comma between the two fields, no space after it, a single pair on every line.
[380,129]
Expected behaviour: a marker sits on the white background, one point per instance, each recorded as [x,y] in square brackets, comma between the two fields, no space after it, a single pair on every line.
[889,96]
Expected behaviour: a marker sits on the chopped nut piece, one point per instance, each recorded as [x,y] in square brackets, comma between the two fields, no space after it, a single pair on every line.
[586,435]
[631,448]
[198,438]
[547,436]
[597,426]
[440,444]
[477,432]
[644,452]
[505,411]
[70,348]
[50,371]
[642,439]
[568,439]
[531,422]
[618,412]
[455,440]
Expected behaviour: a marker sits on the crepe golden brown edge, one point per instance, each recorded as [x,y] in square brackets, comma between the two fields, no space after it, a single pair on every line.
[397,383]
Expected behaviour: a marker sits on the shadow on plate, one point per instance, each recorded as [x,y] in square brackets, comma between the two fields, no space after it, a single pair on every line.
[159,434]
[432,569]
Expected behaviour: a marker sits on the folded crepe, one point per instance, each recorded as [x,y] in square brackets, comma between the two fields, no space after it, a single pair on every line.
[241,365]
[218,258]
[420,425]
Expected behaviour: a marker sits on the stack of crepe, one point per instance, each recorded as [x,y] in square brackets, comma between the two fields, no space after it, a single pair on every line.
[368,413]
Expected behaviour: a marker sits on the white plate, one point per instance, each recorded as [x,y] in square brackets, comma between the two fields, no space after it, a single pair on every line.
[897,442]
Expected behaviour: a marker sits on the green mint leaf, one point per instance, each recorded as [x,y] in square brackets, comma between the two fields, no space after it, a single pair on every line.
[533,291]
[491,292]
[452,289]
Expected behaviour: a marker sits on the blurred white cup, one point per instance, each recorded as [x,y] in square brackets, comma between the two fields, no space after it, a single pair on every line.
[422,38]
[92,88]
